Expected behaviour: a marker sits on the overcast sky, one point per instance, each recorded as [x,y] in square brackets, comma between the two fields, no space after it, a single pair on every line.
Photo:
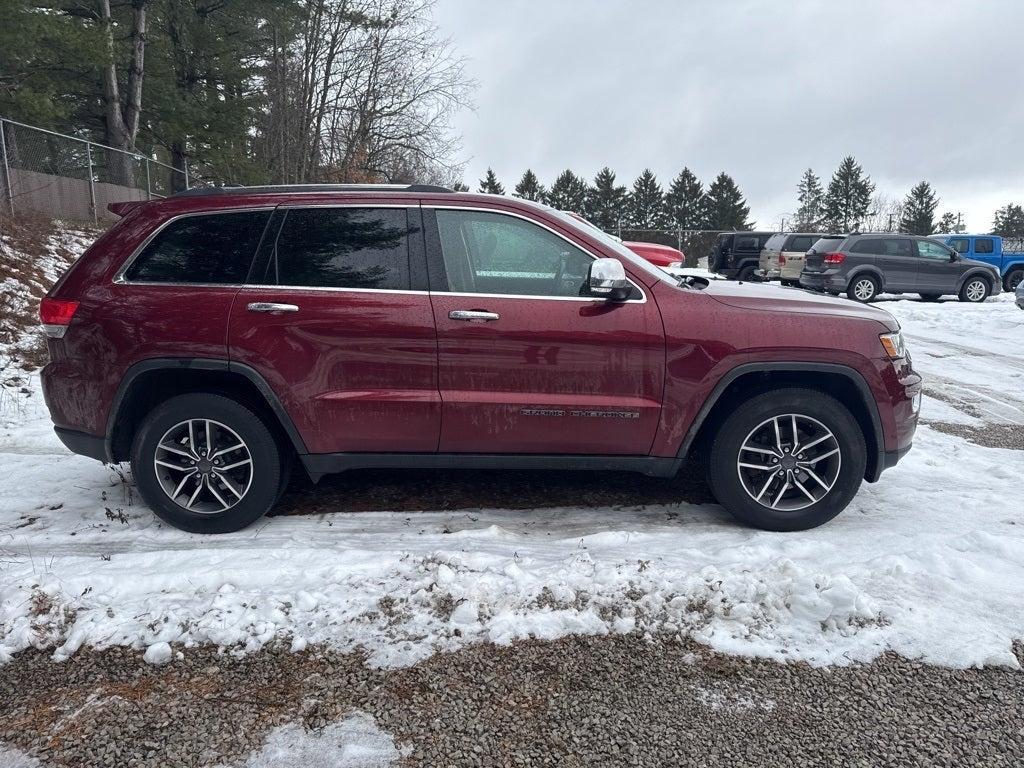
[914,90]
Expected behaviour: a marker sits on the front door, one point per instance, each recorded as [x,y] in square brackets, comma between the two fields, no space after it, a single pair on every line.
[337,327]
[936,271]
[527,361]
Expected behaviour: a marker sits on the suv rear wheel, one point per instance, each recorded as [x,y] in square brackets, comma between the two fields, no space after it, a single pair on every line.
[975,290]
[746,274]
[787,460]
[1013,279]
[863,288]
[206,464]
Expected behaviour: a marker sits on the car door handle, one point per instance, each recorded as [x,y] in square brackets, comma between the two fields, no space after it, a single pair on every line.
[270,306]
[473,315]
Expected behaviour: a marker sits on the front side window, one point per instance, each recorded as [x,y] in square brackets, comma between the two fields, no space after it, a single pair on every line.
[983,245]
[929,249]
[492,253]
[960,244]
[343,248]
[213,248]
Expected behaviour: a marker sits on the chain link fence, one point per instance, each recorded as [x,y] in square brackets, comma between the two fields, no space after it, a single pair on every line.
[65,177]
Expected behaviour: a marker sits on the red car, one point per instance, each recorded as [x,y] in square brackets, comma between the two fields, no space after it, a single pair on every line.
[658,255]
[218,338]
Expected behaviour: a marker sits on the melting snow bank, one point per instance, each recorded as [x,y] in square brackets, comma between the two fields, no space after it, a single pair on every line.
[355,742]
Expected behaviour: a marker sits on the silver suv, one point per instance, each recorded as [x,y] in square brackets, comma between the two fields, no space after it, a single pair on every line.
[782,257]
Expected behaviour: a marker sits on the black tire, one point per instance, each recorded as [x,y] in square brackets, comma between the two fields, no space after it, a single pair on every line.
[864,296]
[264,474]
[724,471]
[1013,278]
[975,290]
[791,283]
[930,296]
[746,274]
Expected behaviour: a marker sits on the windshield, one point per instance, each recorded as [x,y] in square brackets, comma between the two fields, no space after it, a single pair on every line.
[614,245]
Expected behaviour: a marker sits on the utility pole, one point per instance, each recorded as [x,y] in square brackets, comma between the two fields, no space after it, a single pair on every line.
[959,222]
[890,222]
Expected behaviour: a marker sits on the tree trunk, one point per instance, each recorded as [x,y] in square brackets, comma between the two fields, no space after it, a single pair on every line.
[122,121]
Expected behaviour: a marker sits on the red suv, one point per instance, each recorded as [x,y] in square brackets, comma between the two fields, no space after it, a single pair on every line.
[220,337]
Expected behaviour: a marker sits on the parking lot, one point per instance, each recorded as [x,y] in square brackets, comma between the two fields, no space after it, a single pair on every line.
[395,566]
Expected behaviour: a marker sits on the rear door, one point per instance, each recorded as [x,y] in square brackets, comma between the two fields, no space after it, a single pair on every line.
[338,321]
[528,362]
[794,253]
[985,250]
[897,258]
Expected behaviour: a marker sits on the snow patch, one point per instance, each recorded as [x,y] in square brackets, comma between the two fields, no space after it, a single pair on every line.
[355,742]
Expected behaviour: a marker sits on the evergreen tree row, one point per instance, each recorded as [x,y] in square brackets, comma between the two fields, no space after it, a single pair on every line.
[646,205]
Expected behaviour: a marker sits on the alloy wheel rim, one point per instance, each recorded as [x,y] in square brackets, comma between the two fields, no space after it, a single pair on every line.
[789,462]
[203,466]
[975,290]
[864,289]
[1015,279]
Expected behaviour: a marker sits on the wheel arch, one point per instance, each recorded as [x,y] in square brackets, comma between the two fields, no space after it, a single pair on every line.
[867,269]
[981,272]
[148,383]
[1011,269]
[744,381]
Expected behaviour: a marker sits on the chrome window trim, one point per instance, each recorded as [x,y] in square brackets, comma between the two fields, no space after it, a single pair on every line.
[542,225]
[119,277]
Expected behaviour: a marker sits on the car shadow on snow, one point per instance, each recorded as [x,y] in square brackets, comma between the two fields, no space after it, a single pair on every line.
[411,490]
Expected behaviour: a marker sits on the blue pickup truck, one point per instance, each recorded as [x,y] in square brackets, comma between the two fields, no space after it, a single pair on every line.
[1006,255]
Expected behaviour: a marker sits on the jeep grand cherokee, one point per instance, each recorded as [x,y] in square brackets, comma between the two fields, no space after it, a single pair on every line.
[217,338]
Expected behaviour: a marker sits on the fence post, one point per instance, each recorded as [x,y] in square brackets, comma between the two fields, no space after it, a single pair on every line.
[92,184]
[184,164]
[149,190]
[7,167]
[679,239]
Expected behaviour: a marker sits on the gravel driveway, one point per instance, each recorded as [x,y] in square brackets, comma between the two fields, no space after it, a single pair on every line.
[574,702]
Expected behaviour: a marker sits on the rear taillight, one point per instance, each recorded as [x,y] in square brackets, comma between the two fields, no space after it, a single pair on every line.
[782,259]
[55,315]
[835,258]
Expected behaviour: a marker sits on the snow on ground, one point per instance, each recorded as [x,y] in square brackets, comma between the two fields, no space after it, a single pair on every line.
[928,562]
[355,742]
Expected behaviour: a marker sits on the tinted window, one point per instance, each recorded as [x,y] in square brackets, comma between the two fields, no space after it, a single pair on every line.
[775,242]
[344,248]
[747,243]
[801,243]
[867,245]
[960,244]
[208,248]
[826,244]
[930,249]
[898,247]
[983,245]
[492,253]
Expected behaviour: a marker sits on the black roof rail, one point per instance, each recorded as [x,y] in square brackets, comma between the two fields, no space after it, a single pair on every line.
[292,188]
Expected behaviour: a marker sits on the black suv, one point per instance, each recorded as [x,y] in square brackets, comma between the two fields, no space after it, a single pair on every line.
[735,254]
[862,266]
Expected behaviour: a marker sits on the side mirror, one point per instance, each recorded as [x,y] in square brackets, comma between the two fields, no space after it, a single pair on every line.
[607,279]
[953,256]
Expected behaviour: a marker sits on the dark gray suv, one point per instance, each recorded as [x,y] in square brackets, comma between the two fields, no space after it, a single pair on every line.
[863,266]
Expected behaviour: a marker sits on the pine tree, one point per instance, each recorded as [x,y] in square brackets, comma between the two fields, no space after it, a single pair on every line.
[919,210]
[1009,221]
[458,186]
[490,184]
[726,208]
[529,188]
[685,202]
[606,201]
[848,198]
[810,195]
[646,202]
[950,223]
[568,193]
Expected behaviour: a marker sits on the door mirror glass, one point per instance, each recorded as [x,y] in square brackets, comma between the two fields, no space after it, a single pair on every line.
[607,279]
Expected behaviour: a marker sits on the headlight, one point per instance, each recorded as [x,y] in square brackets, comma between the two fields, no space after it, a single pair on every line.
[894,345]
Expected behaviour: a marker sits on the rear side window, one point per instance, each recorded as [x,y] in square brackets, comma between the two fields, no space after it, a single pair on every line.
[775,242]
[983,245]
[867,245]
[343,248]
[747,243]
[215,248]
[801,243]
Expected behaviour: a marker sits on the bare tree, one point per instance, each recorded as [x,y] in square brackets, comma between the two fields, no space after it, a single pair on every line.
[361,90]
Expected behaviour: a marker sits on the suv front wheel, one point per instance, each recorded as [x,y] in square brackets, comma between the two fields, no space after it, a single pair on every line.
[206,464]
[787,460]
[975,290]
